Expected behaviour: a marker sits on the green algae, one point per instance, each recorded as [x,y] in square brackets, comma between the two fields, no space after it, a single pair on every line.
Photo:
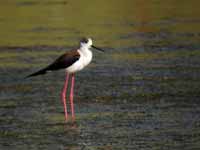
[29,54]
[155,55]
[8,104]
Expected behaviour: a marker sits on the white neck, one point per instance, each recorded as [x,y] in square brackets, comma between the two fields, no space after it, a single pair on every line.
[85,55]
[84,49]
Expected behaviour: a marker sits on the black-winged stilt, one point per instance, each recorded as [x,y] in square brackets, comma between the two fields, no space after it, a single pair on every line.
[72,61]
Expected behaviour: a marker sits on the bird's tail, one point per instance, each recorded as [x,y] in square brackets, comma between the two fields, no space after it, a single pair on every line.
[40,72]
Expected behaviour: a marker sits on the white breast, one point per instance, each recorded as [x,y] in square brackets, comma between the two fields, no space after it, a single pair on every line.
[84,60]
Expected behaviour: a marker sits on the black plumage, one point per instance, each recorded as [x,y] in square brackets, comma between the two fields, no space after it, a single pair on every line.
[61,62]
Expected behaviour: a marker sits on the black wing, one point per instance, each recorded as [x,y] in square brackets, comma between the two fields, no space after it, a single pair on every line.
[62,62]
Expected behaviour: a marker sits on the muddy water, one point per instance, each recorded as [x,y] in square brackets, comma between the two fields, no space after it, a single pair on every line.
[143,93]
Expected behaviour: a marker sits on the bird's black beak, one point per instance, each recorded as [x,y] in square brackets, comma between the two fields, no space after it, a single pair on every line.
[98,48]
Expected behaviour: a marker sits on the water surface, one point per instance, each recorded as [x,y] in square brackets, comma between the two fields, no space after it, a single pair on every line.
[143,93]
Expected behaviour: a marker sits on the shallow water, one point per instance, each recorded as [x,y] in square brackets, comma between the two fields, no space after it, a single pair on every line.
[143,93]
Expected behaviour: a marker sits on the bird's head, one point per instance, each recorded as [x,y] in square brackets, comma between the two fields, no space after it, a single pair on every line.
[87,43]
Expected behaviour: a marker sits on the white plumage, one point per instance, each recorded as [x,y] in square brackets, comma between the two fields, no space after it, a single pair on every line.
[85,57]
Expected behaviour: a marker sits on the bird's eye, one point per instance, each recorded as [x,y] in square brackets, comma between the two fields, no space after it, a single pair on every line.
[84,40]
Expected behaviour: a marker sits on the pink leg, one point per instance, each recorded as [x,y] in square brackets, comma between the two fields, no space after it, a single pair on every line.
[63,95]
[72,97]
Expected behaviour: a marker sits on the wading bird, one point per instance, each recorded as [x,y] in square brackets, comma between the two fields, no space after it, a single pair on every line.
[72,61]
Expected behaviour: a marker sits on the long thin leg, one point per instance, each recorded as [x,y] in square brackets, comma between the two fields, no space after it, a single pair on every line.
[72,97]
[63,95]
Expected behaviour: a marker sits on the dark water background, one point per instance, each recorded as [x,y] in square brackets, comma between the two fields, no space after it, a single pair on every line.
[143,93]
